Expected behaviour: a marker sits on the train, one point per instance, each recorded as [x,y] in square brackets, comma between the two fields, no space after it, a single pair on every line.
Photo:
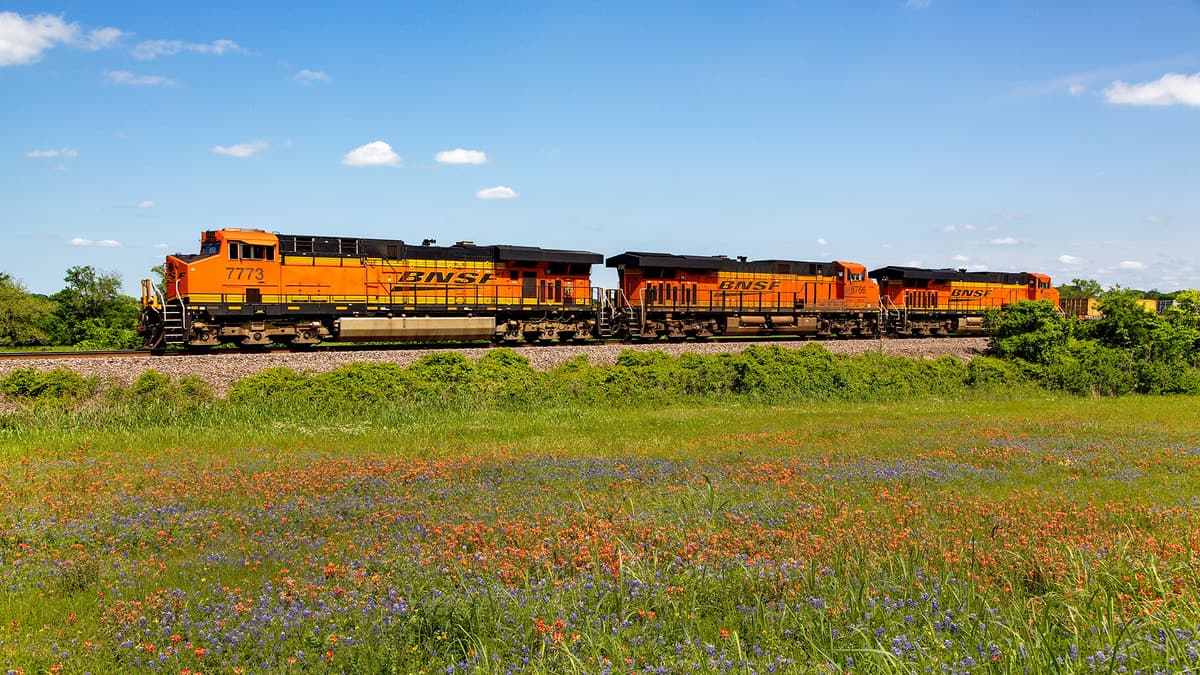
[254,288]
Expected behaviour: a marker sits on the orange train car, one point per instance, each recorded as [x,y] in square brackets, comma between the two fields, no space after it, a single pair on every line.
[252,287]
[919,301]
[681,296]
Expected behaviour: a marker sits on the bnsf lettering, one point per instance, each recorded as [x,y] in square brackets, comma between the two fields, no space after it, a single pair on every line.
[970,292]
[748,285]
[458,278]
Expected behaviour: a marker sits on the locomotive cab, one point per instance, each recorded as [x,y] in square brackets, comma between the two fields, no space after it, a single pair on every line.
[853,284]
[233,266]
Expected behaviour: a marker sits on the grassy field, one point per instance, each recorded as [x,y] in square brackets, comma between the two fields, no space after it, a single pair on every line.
[1034,535]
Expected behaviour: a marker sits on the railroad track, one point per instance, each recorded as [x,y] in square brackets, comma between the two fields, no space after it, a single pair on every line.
[232,351]
[407,346]
[88,354]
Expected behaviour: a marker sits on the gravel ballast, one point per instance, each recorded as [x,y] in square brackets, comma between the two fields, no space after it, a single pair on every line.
[222,370]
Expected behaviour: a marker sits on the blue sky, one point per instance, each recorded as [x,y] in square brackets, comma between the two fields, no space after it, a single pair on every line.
[1018,136]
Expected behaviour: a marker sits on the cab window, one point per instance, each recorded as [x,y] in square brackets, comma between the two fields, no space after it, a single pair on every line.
[210,248]
[240,251]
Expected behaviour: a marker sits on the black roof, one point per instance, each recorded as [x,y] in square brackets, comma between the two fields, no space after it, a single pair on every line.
[639,260]
[947,274]
[396,249]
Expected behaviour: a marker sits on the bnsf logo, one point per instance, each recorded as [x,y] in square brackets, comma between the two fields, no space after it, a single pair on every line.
[461,278]
[970,292]
[748,285]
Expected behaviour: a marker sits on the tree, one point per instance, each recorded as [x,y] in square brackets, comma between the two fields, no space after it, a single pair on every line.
[1029,330]
[1186,309]
[160,273]
[24,318]
[1080,288]
[1124,323]
[92,309]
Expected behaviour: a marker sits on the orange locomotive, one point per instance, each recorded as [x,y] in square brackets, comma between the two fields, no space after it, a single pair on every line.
[680,296]
[919,301]
[252,287]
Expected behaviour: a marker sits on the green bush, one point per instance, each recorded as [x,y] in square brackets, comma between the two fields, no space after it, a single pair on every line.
[152,385]
[1029,330]
[878,376]
[504,375]
[360,383]
[706,375]
[1159,377]
[1088,368]
[653,371]
[568,381]
[195,389]
[444,375]
[273,384]
[767,372]
[51,386]
[986,371]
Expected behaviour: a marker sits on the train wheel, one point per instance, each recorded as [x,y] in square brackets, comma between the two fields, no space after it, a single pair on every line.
[151,328]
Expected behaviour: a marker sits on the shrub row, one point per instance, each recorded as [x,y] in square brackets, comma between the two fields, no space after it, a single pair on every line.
[62,387]
[503,376]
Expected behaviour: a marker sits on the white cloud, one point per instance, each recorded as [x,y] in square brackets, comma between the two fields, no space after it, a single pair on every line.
[1076,90]
[821,241]
[67,153]
[461,156]
[307,76]
[1131,265]
[912,263]
[23,39]
[969,228]
[977,268]
[1069,259]
[242,150]
[1170,89]
[961,258]
[498,192]
[101,38]
[950,228]
[375,153]
[1154,219]
[1004,241]
[152,49]
[124,77]
[145,204]
[103,243]
[163,245]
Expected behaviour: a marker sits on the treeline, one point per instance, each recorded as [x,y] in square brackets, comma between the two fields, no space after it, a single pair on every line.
[89,313]
[1126,350]
[1090,288]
